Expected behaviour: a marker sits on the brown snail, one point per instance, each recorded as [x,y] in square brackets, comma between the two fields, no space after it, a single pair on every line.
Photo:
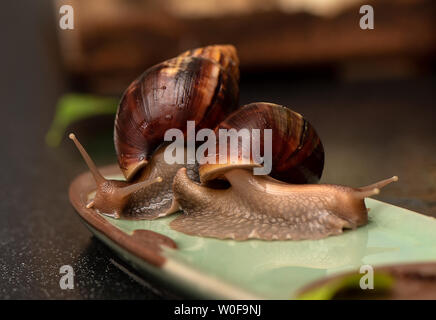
[262,207]
[200,85]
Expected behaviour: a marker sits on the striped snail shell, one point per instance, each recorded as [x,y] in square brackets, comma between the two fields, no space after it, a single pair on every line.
[199,85]
[297,150]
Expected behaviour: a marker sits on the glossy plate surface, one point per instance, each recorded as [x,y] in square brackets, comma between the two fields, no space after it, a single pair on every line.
[213,268]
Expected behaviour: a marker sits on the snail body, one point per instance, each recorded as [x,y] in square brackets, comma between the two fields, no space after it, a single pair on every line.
[199,85]
[262,207]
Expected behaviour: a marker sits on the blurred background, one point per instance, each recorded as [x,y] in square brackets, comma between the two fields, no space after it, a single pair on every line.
[369,93]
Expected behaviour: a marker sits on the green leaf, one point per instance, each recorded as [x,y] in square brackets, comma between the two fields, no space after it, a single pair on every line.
[74,107]
[382,281]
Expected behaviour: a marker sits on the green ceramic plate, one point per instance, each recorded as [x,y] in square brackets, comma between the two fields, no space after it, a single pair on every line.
[212,268]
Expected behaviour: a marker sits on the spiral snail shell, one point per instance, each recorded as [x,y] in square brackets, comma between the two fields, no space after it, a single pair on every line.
[262,207]
[297,149]
[200,85]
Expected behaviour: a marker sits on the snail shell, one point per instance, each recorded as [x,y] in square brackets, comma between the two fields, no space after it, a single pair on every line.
[298,153]
[262,207]
[199,85]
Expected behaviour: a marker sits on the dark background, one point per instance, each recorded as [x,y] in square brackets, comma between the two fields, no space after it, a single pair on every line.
[39,230]
[371,129]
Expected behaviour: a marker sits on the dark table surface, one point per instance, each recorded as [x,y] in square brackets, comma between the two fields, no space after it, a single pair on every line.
[370,130]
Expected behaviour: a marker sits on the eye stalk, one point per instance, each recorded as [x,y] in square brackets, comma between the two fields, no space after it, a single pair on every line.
[111,196]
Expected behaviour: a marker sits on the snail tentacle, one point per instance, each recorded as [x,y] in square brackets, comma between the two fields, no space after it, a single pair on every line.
[361,194]
[380,184]
[89,162]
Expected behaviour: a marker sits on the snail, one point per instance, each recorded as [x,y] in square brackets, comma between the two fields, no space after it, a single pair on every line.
[275,207]
[200,85]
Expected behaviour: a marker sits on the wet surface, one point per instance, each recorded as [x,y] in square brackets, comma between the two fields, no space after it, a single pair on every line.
[370,130]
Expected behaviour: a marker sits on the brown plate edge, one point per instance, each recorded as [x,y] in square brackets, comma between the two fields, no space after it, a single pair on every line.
[145,244]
